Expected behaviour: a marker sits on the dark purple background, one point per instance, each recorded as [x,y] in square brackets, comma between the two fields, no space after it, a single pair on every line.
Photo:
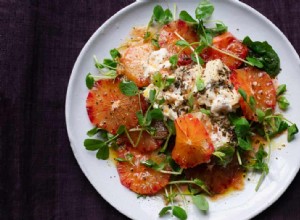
[40,40]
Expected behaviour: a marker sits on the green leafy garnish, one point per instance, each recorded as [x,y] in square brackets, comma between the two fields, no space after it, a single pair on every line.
[128,88]
[283,103]
[264,53]
[174,60]
[292,130]
[115,53]
[162,16]
[281,90]
[89,81]
[204,10]
[200,202]
[93,131]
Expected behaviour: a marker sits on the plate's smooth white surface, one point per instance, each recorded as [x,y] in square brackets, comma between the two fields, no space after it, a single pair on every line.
[242,21]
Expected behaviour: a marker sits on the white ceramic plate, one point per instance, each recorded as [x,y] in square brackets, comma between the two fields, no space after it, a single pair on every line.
[242,20]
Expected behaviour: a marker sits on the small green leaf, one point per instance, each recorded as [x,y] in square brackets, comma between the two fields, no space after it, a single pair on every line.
[89,81]
[121,129]
[244,144]
[200,84]
[128,88]
[243,94]
[147,35]
[179,212]
[204,10]
[169,81]
[171,126]
[110,63]
[242,126]
[93,131]
[185,16]
[120,159]
[103,152]
[168,16]
[152,94]
[155,43]
[205,111]
[165,210]
[158,13]
[202,185]
[252,103]
[292,130]
[157,80]
[283,103]
[280,90]
[255,62]
[173,60]
[200,202]
[92,144]
[115,53]
[260,115]
[140,118]
[182,43]
[156,114]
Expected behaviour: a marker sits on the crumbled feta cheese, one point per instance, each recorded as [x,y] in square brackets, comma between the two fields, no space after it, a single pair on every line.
[219,95]
[157,61]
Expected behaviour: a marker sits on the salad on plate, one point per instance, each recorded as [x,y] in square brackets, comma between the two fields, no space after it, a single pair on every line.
[186,110]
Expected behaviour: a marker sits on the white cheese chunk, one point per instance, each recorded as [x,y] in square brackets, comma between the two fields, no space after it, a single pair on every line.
[157,61]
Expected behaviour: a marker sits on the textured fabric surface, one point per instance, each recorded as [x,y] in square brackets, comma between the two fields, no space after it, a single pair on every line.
[39,43]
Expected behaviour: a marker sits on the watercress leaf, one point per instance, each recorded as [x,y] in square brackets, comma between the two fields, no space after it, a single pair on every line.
[242,126]
[255,62]
[155,43]
[110,63]
[92,144]
[200,84]
[219,29]
[197,58]
[204,10]
[171,126]
[200,202]
[283,103]
[202,185]
[140,118]
[282,126]
[185,16]
[292,130]
[173,60]
[179,212]
[156,114]
[103,152]
[252,102]
[225,154]
[200,48]
[244,144]
[157,80]
[128,88]
[152,94]
[115,53]
[205,111]
[164,211]
[93,131]
[265,54]
[243,94]
[89,81]
[182,43]
[280,90]
[121,129]
[260,115]
[168,16]
[147,35]
[169,81]
[159,14]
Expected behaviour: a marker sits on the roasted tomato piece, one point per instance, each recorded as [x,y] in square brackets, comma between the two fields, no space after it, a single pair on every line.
[193,145]
[228,43]
[108,108]
[258,84]
[168,38]
[138,177]
[132,63]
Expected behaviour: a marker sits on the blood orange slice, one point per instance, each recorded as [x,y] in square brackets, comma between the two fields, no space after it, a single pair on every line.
[193,145]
